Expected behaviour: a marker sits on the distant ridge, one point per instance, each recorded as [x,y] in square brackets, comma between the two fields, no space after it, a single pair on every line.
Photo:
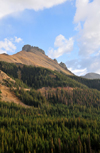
[92,76]
[36,57]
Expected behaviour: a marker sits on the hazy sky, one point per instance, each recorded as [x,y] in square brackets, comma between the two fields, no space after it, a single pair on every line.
[68,30]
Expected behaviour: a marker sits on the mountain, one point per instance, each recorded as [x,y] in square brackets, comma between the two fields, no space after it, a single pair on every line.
[92,76]
[61,112]
[36,57]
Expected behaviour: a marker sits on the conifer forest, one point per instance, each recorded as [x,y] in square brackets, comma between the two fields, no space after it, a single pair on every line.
[62,113]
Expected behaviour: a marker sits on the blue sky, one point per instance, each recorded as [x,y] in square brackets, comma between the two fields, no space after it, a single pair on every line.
[68,30]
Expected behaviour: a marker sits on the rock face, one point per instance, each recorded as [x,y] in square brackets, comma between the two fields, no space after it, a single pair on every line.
[63,65]
[30,48]
[38,49]
[55,60]
[26,47]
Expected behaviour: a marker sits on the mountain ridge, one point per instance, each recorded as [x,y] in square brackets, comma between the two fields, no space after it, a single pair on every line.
[35,57]
[91,75]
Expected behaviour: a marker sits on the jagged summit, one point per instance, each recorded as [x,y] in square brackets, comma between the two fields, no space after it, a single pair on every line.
[35,56]
[30,48]
[63,65]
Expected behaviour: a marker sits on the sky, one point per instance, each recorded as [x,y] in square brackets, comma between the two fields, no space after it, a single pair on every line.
[67,30]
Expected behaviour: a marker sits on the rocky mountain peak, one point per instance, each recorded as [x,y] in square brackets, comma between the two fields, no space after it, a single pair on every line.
[30,48]
[27,47]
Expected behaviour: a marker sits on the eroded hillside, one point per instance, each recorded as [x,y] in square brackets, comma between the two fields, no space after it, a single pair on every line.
[6,94]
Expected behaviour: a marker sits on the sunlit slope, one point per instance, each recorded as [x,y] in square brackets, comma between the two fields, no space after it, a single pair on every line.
[6,94]
[33,58]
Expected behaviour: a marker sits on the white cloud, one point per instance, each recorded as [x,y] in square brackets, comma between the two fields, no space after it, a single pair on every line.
[79,72]
[82,10]
[8,45]
[87,64]
[88,14]
[18,39]
[78,27]
[87,18]
[63,46]
[11,6]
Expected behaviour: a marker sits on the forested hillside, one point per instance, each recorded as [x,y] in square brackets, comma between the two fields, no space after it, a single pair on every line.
[95,83]
[41,77]
[49,129]
[38,77]
[63,113]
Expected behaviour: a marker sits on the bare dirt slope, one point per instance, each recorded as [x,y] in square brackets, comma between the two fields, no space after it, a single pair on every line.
[33,58]
[4,76]
[6,94]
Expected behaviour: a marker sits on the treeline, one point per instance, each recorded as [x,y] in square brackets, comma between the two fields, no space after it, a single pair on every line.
[38,77]
[31,130]
[9,68]
[95,83]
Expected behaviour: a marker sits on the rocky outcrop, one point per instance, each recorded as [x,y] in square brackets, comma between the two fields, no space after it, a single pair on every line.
[30,48]
[38,49]
[55,60]
[5,54]
[63,66]
[27,47]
